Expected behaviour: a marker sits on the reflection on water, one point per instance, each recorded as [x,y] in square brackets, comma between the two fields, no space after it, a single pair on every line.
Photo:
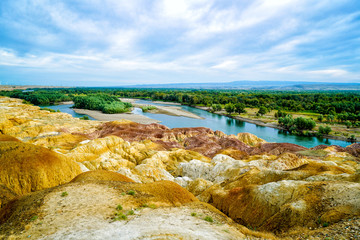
[234,126]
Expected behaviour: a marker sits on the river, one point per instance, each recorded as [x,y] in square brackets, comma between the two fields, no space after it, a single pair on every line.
[222,123]
[66,108]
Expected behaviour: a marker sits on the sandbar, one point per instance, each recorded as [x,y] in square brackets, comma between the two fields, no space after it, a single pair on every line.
[98,115]
[168,110]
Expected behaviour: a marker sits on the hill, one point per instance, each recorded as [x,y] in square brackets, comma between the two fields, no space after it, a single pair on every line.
[96,180]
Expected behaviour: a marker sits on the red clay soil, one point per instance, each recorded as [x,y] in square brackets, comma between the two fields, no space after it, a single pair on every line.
[199,139]
[353,149]
[276,148]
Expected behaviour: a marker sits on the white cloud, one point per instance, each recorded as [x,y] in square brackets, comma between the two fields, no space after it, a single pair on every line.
[260,39]
[331,72]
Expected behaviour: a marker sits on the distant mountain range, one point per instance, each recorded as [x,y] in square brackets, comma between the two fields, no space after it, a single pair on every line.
[257,85]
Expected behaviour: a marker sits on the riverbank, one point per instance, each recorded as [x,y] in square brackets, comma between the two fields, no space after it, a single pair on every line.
[98,115]
[259,122]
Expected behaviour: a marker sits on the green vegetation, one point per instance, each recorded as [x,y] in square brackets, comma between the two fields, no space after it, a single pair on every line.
[119,216]
[327,107]
[85,118]
[262,110]
[39,97]
[33,218]
[324,130]
[145,205]
[102,102]
[216,107]
[131,192]
[48,109]
[296,125]
[148,108]
[193,214]
[64,194]
[208,219]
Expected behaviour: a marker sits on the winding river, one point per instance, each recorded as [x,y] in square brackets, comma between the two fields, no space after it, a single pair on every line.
[222,123]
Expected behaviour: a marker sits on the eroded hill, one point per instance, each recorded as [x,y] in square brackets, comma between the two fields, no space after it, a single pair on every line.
[64,178]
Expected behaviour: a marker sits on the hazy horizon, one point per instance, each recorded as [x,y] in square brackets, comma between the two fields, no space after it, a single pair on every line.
[118,43]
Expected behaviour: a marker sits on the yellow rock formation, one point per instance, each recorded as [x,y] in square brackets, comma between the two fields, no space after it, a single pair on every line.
[26,167]
[101,175]
[250,139]
[273,187]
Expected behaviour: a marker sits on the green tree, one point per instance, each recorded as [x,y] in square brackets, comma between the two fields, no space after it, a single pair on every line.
[229,108]
[324,130]
[240,108]
[262,110]
[320,118]
[216,107]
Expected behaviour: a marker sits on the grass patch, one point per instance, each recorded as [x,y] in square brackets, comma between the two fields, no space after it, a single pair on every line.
[131,192]
[120,216]
[131,212]
[119,207]
[33,218]
[145,205]
[208,219]
[193,214]
[48,109]
[64,194]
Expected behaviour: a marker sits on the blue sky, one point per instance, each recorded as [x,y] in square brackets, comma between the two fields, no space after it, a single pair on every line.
[119,42]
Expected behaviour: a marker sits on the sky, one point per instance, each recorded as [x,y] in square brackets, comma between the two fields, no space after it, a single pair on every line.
[125,42]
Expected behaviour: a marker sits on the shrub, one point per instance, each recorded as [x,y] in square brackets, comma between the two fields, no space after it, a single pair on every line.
[120,216]
[208,219]
[148,108]
[119,207]
[131,192]
[64,194]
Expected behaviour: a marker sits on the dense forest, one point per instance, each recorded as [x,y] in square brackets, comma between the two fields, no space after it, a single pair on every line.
[103,102]
[341,107]
[98,100]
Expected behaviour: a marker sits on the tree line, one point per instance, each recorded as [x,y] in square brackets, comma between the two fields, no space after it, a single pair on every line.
[332,106]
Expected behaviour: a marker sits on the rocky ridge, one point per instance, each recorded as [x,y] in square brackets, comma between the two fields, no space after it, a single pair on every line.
[271,187]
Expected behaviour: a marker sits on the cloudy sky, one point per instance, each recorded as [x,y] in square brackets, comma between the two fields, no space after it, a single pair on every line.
[119,42]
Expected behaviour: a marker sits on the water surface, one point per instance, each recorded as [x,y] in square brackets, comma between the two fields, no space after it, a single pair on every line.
[234,126]
[222,123]
[66,108]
